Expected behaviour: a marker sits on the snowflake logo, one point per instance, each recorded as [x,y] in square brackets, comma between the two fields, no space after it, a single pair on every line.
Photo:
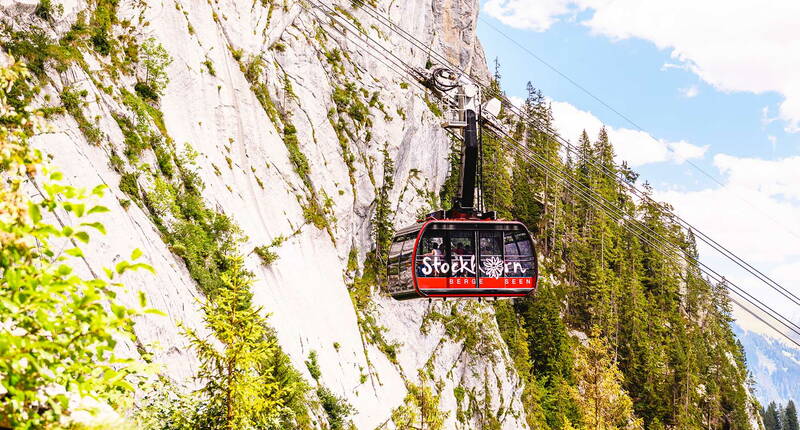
[493,267]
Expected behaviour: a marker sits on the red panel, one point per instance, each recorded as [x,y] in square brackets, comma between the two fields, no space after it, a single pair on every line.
[424,283]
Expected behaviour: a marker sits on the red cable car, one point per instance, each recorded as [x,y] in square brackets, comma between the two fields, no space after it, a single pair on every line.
[462,258]
[463,252]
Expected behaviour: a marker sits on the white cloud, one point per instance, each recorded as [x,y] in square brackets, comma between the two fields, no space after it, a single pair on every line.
[749,222]
[537,15]
[788,273]
[689,92]
[765,118]
[682,151]
[742,45]
[517,101]
[773,178]
[633,146]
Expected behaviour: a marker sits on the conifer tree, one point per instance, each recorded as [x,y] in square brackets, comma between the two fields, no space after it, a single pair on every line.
[603,402]
[790,417]
[240,380]
[772,420]
[496,167]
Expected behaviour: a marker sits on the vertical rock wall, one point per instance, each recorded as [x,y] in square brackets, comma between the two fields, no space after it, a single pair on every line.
[249,174]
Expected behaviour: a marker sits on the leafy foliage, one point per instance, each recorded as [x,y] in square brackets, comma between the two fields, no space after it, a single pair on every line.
[336,408]
[58,329]
[267,255]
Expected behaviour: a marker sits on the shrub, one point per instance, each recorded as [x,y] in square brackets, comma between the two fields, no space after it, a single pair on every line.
[129,186]
[268,256]
[313,366]
[47,11]
[145,91]
[336,408]
[58,330]
[100,41]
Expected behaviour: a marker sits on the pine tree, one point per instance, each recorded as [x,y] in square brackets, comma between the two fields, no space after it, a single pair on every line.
[603,402]
[790,417]
[772,420]
[242,384]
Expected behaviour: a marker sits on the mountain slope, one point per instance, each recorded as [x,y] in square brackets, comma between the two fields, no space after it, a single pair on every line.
[774,365]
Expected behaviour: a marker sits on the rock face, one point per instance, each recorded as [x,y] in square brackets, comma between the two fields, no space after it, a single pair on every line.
[250,173]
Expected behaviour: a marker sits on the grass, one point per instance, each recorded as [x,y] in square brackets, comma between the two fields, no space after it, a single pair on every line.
[434,108]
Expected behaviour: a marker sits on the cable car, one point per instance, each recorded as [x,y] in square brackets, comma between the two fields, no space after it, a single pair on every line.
[462,258]
[462,252]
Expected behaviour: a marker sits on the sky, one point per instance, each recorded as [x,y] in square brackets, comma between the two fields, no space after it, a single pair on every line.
[701,98]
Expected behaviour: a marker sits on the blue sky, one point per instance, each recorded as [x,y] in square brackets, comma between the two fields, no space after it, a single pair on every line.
[630,76]
[716,80]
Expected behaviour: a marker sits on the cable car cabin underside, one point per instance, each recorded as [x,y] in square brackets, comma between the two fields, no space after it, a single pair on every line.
[462,258]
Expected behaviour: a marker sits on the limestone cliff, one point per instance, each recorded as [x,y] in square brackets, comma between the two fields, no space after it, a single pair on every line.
[293,125]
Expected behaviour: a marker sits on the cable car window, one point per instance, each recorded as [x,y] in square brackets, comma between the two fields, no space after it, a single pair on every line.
[524,244]
[510,246]
[394,255]
[462,253]
[431,260]
[404,261]
[520,262]
[491,254]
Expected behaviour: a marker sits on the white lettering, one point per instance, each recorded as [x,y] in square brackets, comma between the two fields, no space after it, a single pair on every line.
[426,268]
[464,265]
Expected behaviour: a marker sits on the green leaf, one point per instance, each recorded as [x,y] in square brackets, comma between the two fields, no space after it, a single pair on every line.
[97,210]
[99,190]
[36,214]
[79,209]
[75,252]
[82,236]
[96,225]
[143,266]
[136,254]
[142,299]
[56,176]
[122,266]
